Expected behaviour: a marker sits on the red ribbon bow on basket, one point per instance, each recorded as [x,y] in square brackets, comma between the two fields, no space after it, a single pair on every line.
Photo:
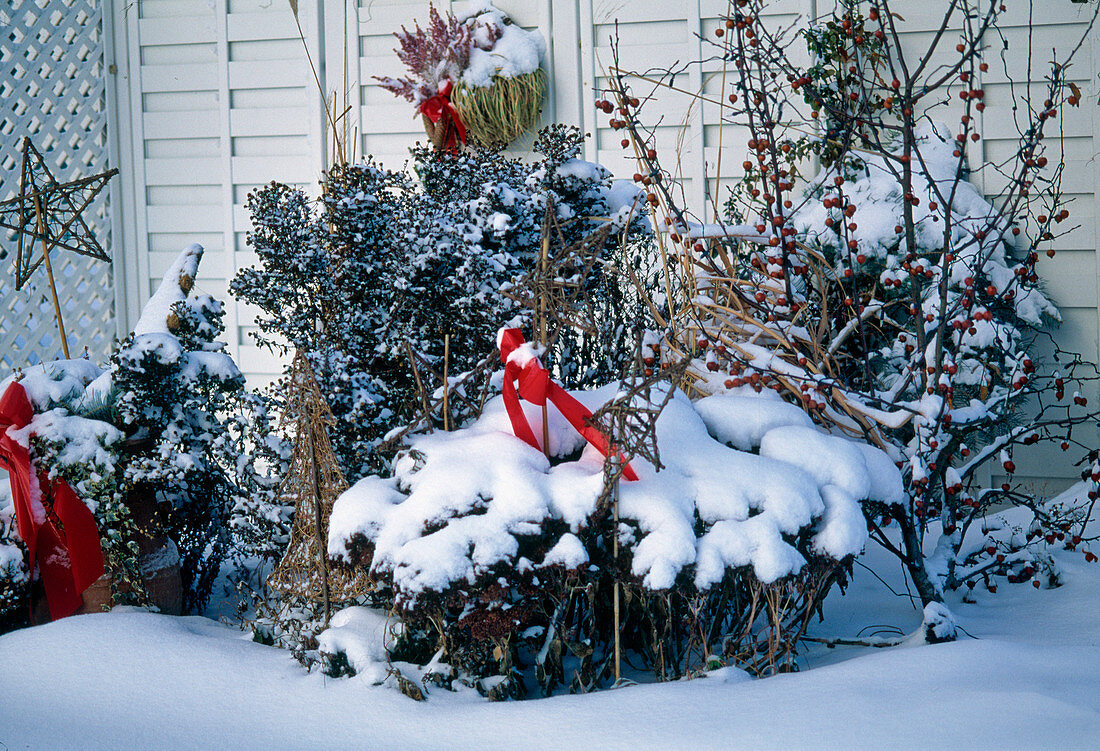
[64,543]
[438,106]
[536,387]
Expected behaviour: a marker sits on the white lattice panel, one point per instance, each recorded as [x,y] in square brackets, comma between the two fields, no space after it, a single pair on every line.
[52,89]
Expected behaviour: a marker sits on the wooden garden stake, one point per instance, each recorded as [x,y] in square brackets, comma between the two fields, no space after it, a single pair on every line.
[630,423]
[416,377]
[479,377]
[544,263]
[40,222]
[615,462]
[554,291]
[446,385]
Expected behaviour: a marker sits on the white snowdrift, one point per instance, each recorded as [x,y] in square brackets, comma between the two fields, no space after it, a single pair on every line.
[1026,681]
[361,635]
[108,681]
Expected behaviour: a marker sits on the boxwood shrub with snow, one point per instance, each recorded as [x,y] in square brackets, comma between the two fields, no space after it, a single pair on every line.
[393,261]
[501,563]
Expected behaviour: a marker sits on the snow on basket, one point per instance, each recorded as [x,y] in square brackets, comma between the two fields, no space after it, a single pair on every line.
[499,96]
[477,524]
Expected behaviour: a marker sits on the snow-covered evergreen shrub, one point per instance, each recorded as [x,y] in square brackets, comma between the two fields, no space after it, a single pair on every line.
[181,399]
[392,261]
[169,419]
[503,559]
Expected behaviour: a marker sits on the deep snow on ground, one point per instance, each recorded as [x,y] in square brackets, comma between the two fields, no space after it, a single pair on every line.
[1030,679]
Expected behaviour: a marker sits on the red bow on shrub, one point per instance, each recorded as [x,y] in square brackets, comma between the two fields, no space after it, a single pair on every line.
[438,106]
[63,543]
[535,386]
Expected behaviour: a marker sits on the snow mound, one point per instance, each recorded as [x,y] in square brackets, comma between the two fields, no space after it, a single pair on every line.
[80,441]
[461,503]
[226,691]
[743,421]
[937,626]
[360,634]
[55,383]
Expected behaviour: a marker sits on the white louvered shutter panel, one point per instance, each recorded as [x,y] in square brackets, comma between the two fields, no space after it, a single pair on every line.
[222,100]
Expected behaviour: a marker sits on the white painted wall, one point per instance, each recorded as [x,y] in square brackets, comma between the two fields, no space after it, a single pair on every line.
[214,97]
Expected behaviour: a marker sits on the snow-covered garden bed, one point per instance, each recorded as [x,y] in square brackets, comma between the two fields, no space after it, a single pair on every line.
[1022,676]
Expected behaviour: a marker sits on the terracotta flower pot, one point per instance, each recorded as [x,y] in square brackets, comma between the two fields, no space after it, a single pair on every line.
[157,557]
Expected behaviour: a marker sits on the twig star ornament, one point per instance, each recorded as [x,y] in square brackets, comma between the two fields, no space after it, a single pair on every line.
[46,215]
[555,290]
[630,419]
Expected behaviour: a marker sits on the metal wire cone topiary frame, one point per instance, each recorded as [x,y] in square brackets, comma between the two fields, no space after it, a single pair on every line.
[312,484]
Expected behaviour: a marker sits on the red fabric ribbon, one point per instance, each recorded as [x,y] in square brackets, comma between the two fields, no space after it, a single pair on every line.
[535,386]
[63,545]
[438,106]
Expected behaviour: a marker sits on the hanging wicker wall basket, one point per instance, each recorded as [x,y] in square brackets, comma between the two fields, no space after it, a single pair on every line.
[447,59]
[497,115]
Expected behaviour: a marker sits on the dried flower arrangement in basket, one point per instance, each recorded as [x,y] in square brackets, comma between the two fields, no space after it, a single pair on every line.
[475,77]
